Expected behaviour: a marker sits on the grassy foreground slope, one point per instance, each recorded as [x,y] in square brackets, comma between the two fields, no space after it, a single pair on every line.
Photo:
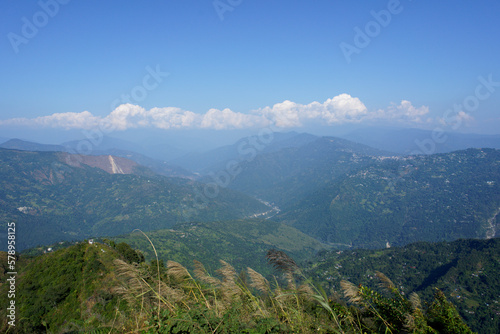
[467,271]
[99,289]
[67,290]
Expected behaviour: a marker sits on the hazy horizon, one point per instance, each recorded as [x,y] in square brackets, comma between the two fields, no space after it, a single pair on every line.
[186,67]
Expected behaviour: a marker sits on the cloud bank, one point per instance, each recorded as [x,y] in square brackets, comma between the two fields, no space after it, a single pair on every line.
[340,109]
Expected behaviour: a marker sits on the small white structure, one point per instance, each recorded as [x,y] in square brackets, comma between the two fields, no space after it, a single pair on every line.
[91,241]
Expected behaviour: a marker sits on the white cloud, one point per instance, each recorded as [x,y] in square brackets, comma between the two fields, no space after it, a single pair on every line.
[228,119]
[462,115]
[344,108]
[171,117]
[456,119]
[285,114]
[128,116]
[68,120]
[340,109]
[405,112]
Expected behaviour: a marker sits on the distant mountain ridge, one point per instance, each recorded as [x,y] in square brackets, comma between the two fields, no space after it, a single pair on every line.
[106,149]
[330,188]
[216,159]
[399,200]
[54,196]
[108,163]
[19,144]
[418,141]
[287,175]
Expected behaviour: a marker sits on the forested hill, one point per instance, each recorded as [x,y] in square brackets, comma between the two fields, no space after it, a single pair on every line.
[243,243]
[287,175]
[57,196]
[401,200]
[467,271]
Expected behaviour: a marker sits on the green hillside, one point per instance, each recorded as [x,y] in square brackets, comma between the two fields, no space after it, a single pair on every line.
[216,160]
[70,290]
[290,174]
[403,200]
[96,288]
[243,243]
[467,271]
[52,201]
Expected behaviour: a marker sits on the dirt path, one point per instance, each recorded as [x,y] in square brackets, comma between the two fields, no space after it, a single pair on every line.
[114,167]
[490,230]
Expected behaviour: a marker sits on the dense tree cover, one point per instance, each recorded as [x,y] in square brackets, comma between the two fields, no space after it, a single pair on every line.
[129,254]
[67,290]
[404,200]
[331,190]
[53,201]
[242,243]
[466,271]
[91,288]
[290,174]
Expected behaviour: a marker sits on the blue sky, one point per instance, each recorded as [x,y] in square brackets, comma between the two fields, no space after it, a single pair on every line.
[248,64]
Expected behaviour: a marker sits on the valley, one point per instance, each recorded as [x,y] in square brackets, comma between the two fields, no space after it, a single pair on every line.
[341,209]
[256,167]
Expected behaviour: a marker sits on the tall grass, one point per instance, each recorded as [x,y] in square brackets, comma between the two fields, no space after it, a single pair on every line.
[174,301]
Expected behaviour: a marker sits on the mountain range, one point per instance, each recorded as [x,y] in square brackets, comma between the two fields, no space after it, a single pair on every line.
[329,188]
[59,196]
[291,192]
[418,141]
[106,147]
[398,200]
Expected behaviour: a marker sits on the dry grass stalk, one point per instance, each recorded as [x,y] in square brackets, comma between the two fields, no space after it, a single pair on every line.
[157,267]
[385,282]
[290,280]
[278,300]
[202,274]
[258,281]
[415,301]
[409,322]
[230,289]
[134,289]
[227,272]
[172,294]
[351,292]
[125,293]
[136,286]
[306,291]
[177,271]
[133,282]
[281,261]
